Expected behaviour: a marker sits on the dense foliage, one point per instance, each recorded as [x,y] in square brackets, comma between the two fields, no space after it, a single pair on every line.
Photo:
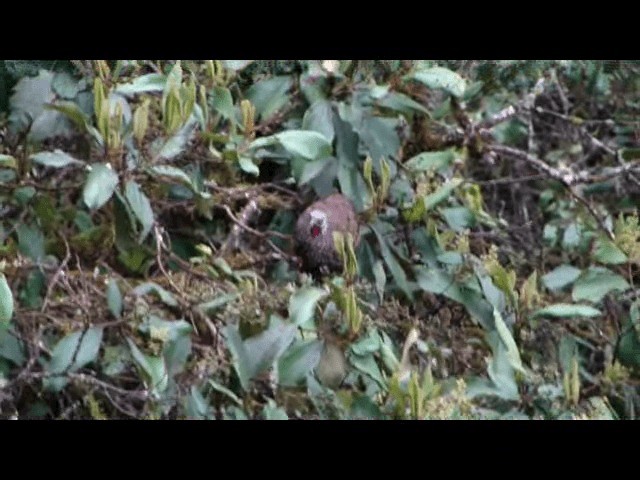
[148,268]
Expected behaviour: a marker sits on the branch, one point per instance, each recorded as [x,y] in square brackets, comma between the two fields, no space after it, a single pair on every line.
[568,179]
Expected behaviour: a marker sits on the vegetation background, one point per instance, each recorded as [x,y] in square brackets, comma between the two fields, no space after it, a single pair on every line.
[148,266]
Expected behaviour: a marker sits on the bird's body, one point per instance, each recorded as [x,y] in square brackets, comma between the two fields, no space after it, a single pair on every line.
[315,227]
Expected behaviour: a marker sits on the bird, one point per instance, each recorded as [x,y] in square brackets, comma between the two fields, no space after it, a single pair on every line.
[314,232]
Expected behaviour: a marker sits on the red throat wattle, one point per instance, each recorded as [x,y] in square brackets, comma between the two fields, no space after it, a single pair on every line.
[315,231]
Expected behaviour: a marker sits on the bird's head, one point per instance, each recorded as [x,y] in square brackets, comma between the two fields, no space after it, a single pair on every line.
[318,223]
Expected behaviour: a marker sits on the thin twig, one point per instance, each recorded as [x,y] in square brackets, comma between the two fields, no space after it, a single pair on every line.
[500,117]
[57,275]
[81,377]
[509,180]
[566,178]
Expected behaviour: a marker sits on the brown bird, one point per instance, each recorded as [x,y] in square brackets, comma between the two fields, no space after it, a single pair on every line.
[314,232]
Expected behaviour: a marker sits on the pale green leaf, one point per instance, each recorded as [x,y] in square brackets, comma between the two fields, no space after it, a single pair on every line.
[302,306]
[430,161]
[297,361]
[99,186]
[150,287]
[609,253]
[152,82]
[596,282]
[6,300]
[269,96]
[442,193]
[563,310]
[140,206]
[560,277]
[440,78]
[319,118]
[247,166]
[513,353]
[114,298]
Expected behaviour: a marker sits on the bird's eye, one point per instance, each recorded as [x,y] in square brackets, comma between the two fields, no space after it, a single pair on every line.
[315,231]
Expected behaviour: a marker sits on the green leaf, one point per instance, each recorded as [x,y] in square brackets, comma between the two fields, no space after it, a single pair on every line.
[140,206]
[399,275]
[550,234]
[571,236]
[11,348]
[442,283]
[319,118]
[367,365]
[72,111]
[173,172]
[177,143]
[496,293]
[31,241]
[269,96]
[440,78]
[380,137]
[313,169]
[501,382]
[628,351]
[442,193]
[222,102]
[380,279]
[80,119]
[472,90]
[236,65]
[89,348]
[31,295]
[99,187]
[430,161]
[370,343]
[6,301]
[154,368]
[115,359]
[563,310]
[266,347]
[152,82]
[114,298]
[55,159]
[24,195]
[297,361]
[608,253]
[258,353]
[507,339]
[353,186]
[7,161]
[165,331]
[314,84]
[31,94]
[62,356]
[176,353]
[600,409]
[65,85]
[402,103]
[302,143]
[220,301]
[596,282]
[150,287]
[567,350]
[196,406]
[459,218]
[225,391]
[560,277]
[302,306]
[272,412]
[501,372]
[350,179]
[247,166]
